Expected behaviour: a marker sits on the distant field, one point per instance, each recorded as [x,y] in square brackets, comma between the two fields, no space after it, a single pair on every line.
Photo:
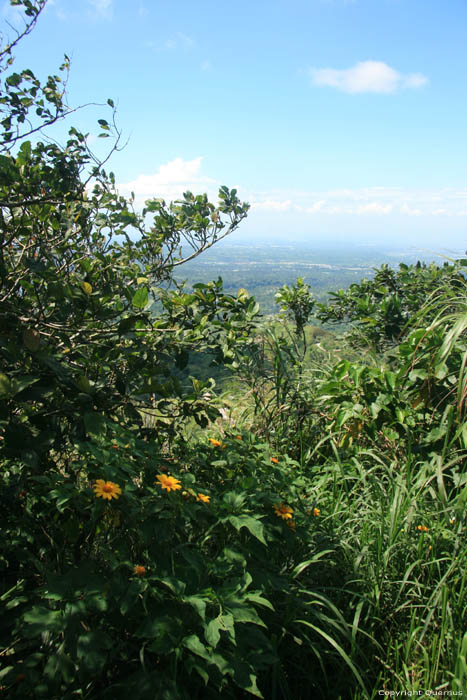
[262,268]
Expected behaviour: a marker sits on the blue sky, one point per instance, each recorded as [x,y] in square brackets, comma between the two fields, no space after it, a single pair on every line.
[335,119]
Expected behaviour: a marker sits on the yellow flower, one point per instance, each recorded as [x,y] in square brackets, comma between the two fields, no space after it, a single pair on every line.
[291,524]
[139,570]
[216,443]
[169,483]
[107,489]
[274,460]
[315,512]
[203,498]
[422,528]
[283,511]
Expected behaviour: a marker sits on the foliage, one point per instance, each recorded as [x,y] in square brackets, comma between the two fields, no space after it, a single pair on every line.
[296,302]
[384,307]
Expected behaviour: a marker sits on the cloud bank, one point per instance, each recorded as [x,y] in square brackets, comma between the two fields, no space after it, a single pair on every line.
[179,175]
[371,201]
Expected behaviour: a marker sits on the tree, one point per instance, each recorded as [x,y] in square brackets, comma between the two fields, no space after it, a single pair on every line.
[92,337]
[383,310]
[81,272]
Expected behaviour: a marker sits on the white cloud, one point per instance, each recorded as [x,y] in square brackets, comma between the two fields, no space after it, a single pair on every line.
[170,181]
[374,208]
[272,204]
[179,175]
[179,41]
[366,202]
[103,8]
[415,80]
[366,76]
[316,207]
[405,209]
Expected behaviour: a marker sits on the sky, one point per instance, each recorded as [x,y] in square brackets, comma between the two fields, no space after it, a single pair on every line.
[337,120]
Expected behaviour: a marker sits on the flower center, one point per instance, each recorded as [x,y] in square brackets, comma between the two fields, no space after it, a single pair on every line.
[108,488]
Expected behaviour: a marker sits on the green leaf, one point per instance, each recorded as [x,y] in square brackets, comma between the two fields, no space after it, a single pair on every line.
[20,383]
[140,298]
[243,613]
[130,598]
[84,384]
[212,632]
[244,677]
[5,385]
[92,649]
[253,525]
[198,603]
[192,665]
[194,644]
[259,600]
[174,584]
[305,564]
[40,619]
[226,624]
[9,173]
[95,423]
[126,324]
[31,339]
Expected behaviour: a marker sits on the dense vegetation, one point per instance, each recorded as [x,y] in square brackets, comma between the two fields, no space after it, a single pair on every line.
[300,534]
[262,267]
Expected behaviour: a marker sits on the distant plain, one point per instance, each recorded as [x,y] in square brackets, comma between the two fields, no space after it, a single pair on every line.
[262,268]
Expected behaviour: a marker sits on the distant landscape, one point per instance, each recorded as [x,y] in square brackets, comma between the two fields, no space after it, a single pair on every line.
[262,268]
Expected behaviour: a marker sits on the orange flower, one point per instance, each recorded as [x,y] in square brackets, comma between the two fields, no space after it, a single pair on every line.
[203,498]
[422,528]
[216,443]
[238,437]
[274,460]
[169,483]
[315,512]
[139,570]
[107,489]
[283,511]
